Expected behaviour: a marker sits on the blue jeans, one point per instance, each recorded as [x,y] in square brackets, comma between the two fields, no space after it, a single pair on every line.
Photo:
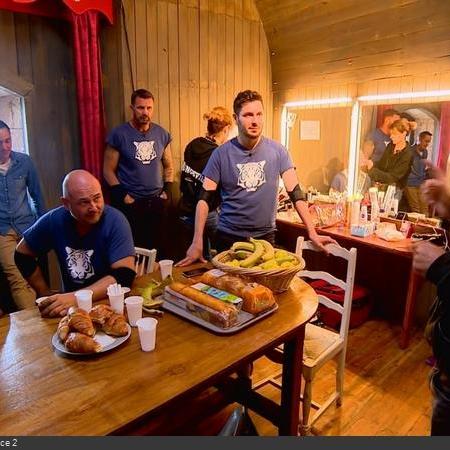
[208,234]
[440,387]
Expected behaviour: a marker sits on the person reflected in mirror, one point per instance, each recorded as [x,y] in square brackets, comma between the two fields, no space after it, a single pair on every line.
[196,155]
[21,203]
[247,169]
[418,174]
[381,136]
[433,262]
[411,124]
[395,164]
[93,244]
[138,167]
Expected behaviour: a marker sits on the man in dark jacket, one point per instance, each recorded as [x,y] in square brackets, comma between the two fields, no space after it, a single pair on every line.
[434,263]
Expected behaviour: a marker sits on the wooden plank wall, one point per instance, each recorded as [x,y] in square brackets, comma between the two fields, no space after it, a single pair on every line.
[193,55]
[36,62]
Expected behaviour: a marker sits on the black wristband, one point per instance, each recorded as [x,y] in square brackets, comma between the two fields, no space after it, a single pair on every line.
[118,193]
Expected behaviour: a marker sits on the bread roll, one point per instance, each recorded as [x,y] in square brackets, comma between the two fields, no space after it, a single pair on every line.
[256,297]
[80,343]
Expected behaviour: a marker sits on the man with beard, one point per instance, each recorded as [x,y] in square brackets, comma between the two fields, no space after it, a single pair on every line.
[247,169]
[93,243]
[135,154]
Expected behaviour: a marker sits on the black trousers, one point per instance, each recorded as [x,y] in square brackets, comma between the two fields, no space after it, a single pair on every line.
[224,240]
[148,220]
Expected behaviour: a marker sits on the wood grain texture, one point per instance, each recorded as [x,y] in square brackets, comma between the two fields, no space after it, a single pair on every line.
[44,393]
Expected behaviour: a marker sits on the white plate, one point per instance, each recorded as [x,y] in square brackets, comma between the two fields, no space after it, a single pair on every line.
[99,336]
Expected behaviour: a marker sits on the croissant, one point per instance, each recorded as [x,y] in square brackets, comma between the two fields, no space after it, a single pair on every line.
[116,325]
[79,320]
[80,343]
[63,328]
[101,313]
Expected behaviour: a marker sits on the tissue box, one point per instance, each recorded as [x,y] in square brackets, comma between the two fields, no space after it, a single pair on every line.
[361,230]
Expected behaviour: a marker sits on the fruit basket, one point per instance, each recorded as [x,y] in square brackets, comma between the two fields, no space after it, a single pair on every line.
[277,279]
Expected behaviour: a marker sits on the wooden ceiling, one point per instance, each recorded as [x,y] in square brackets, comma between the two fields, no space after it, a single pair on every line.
[334,41]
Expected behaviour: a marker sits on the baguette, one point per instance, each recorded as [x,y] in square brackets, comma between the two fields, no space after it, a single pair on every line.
[202,305]
[256,297]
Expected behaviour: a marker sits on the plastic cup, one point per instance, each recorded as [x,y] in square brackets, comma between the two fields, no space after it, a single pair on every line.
[84,299]
[134,309]
[165,265]
[116,302]
[147,333]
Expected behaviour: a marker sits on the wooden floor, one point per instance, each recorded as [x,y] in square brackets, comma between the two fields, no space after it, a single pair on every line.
[386,391]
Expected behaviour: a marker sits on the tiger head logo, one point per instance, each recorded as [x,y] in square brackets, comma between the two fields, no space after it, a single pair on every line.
[251,175]
[79,263]
[145,151]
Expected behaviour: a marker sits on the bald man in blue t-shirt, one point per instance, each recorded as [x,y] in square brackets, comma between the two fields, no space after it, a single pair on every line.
[247,170]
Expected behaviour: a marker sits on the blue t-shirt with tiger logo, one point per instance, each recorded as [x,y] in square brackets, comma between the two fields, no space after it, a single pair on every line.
[140,154]
[82,259]
[248,183]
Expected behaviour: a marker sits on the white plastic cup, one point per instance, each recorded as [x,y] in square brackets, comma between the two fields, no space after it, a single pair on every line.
[116,302]
[165,265]
[147,333]
[84,299]
[134,309]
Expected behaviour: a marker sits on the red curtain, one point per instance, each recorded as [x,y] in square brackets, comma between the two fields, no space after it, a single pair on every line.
[444,136]
[89,90]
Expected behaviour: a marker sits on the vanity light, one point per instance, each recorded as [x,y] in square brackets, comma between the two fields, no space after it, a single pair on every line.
[401,95]
[321,101]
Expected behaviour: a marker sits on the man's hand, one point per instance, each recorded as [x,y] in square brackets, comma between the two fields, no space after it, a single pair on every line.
[194,253]
[57,305]
[322,241]
[128,199]
[424,254]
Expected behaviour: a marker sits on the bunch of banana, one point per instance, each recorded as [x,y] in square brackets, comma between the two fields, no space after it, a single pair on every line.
[259,254]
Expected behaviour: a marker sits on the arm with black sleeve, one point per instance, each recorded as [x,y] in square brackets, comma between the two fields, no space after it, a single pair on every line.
[295,194]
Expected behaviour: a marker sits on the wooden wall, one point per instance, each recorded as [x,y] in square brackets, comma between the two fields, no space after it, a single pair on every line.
[192,55]
[36,62]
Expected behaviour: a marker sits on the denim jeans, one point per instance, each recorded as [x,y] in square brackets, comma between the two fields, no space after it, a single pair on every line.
[208,234]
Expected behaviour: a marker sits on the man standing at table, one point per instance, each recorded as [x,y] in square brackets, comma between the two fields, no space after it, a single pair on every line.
[247,169]
[139,170]
[21,203]
[93,243]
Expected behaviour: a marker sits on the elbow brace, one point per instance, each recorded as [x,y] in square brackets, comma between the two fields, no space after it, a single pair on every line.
[296,194]
[123,275]
[25,263]
[207,196]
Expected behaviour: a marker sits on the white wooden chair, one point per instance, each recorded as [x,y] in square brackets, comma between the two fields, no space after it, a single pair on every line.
[145,260]
[322,344]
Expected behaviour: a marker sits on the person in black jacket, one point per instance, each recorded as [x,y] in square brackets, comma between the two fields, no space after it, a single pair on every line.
[433,262]
[196,155]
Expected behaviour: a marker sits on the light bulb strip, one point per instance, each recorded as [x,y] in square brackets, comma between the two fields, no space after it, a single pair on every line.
[401,95]
[321,101]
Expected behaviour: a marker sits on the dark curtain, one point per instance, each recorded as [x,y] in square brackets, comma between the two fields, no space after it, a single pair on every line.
[444,136]
[86,50]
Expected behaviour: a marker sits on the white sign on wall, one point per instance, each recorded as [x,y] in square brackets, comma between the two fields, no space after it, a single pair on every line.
[310,130]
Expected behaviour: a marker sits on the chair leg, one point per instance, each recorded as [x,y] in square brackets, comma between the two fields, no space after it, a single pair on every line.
[340,378]
[306,406]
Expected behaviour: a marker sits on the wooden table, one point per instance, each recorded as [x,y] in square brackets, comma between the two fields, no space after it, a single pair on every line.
[45,393]
[288,230]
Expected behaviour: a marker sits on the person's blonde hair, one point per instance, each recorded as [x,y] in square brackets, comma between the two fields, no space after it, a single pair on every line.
[399,125]
[218,118]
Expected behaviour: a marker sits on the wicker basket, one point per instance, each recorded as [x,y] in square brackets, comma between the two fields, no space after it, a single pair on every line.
[276,279]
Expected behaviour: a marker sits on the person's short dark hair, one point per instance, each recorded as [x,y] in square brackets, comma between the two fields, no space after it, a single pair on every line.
[245,97]
[390,112]
[408,117]
[3,125]
[424,133]
[141,93]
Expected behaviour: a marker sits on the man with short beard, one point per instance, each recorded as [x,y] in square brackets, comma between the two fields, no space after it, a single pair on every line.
[247,170]
[139,170]
[93,244]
